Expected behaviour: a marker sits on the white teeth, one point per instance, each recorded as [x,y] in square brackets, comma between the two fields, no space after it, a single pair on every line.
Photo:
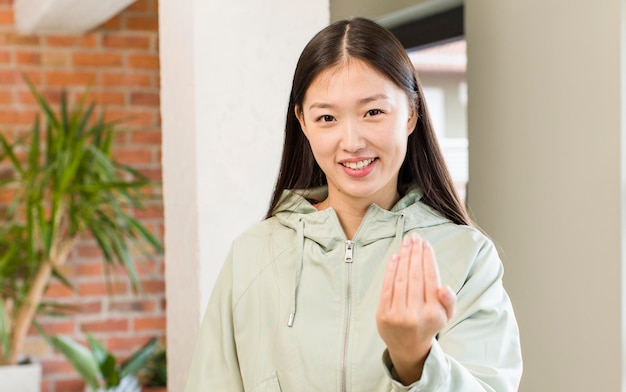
[358,165]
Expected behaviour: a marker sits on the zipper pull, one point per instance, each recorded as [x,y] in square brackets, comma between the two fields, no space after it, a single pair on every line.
[349,246]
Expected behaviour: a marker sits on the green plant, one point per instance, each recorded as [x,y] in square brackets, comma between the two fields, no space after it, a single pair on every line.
[65,185]
[155,372]
[100,369]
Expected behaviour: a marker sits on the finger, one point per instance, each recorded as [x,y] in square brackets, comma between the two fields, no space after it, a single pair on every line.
[402,273]
[448,300]
[415,296]
[386,295]
[431,273]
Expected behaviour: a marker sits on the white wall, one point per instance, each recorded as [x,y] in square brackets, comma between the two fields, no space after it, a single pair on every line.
[546,135]
[226,70]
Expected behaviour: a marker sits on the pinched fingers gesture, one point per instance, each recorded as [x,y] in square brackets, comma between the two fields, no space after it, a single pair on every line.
[413,306]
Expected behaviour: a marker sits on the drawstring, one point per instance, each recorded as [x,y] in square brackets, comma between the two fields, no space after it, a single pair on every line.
[399,232]
[299,264]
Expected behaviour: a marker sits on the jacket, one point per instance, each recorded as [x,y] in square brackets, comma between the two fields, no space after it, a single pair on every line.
[294,307]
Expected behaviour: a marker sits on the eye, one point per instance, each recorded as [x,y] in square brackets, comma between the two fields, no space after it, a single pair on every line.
[373,112]
[326,118]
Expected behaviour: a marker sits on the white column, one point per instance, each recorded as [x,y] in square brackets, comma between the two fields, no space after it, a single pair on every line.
[547,180]
[226,70]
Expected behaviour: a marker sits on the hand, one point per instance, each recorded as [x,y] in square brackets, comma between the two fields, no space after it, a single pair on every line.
[413,307]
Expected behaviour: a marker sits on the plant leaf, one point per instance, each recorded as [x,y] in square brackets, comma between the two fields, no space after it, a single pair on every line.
[123,255]
[81,358]
[63,113]
[83,121]
[59,276]
[43,104]
[109,371]
[67,184]
[139,359]
[145,234]
[33,156]
[97,349]
[4,330]
[8,150]
[56,309]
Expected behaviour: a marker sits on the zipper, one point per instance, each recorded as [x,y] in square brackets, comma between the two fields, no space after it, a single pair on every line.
[344,362]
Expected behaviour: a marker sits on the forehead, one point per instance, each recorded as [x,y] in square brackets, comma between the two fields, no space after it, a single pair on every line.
[352,79]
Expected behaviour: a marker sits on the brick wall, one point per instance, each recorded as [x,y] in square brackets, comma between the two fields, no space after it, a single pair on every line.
[120,60]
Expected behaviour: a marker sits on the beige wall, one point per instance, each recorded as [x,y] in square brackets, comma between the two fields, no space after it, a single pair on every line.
[546,110]
[226,73]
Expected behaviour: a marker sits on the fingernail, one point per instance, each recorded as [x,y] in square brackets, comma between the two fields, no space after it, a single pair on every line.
[406,240]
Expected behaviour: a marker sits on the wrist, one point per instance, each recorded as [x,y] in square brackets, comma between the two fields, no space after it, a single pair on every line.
[408,368]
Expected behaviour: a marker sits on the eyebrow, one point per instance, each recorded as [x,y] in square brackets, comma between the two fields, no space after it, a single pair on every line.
[362,101]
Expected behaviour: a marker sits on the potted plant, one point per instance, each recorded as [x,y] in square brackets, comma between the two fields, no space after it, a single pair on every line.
[154,375]
[100,369]
[64,185]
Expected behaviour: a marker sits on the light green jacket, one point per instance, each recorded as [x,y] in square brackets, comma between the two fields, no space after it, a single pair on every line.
[294,307]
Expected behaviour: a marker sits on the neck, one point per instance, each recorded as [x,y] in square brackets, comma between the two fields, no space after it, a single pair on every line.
[351,211]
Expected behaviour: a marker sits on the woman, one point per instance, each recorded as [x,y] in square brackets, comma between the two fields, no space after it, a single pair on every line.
[366,251]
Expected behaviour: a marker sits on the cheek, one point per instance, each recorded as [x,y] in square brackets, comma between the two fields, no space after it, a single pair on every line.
[395,138]
[321,147]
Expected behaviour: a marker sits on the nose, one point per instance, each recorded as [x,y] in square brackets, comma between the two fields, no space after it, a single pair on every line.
[351,137]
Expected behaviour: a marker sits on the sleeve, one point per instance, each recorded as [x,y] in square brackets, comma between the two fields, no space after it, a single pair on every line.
[215,366]
[479,350]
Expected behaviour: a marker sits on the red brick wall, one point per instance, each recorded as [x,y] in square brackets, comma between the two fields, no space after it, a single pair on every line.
[120,59]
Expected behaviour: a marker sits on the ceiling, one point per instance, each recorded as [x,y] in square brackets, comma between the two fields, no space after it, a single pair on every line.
[76,16]
[64,16]
[390,13]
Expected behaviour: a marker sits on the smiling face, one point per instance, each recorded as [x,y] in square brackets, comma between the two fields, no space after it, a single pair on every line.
[357,122]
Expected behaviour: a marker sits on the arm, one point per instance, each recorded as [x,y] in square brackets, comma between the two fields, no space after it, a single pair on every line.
[215,366]
[477,350]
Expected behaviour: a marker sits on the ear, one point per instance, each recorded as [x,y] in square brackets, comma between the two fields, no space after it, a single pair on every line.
[411,122]
[300,116]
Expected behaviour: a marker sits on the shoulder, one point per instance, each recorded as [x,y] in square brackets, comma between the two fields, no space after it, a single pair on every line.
[259,246]
[464,252]
[467,239]
[261,234]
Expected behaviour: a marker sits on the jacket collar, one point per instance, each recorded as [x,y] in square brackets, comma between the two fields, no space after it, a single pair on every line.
[324,228]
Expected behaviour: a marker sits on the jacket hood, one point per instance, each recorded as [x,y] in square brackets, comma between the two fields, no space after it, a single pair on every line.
[296,208]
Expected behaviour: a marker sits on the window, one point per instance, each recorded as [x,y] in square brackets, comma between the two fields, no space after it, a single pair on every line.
[436,45]
[441,69]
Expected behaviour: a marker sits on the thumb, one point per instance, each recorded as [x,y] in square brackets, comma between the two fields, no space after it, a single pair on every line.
[448,300]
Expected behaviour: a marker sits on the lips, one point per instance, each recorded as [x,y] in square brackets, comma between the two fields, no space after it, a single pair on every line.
[358,165]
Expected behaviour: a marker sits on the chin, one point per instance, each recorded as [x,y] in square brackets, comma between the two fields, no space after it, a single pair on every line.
[361,194]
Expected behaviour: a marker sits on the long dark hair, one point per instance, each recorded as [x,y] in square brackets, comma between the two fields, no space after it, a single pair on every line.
[423,164]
